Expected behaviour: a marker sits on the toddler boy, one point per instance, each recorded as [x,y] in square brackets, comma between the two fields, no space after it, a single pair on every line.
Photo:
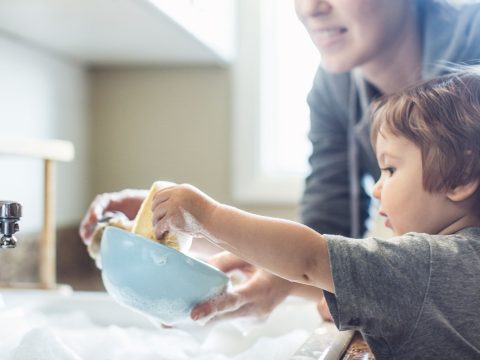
[416,295]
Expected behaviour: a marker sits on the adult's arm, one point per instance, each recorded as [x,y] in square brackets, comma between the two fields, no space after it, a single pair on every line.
[325,204]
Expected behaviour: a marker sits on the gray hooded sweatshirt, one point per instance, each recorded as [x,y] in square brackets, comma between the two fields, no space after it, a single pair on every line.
[334,200]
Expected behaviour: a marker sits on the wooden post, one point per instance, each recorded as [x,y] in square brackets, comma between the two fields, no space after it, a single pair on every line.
[49,151]
[48,263]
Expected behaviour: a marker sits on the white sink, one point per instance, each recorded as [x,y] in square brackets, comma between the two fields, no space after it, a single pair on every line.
[87,325]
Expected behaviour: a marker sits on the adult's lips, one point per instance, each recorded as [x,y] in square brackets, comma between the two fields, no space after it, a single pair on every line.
[325,37]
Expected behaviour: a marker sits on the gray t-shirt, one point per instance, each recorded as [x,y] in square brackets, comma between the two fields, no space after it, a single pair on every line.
[415,296]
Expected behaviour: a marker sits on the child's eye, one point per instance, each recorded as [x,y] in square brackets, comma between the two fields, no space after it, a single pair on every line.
[389,169]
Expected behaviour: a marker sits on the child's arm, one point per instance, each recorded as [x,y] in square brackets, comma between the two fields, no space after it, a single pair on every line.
[288,249]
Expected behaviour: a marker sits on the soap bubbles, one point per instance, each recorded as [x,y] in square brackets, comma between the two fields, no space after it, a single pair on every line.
[184,241]
[45,331]
[43,344]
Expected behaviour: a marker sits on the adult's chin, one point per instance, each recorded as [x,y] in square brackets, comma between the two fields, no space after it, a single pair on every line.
[336,65]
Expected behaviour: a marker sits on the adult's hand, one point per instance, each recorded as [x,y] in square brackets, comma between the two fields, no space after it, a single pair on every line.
[126,202]
[256,297]
[323,310]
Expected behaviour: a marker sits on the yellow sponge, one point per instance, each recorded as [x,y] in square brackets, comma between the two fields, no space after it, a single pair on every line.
[142,225]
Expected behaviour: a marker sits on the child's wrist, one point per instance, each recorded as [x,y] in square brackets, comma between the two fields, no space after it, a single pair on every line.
[209,213]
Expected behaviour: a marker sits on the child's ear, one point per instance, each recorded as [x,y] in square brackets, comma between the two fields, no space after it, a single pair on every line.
[462,192]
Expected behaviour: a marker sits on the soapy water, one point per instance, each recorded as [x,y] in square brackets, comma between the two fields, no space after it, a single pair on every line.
[51,346]
[30,334]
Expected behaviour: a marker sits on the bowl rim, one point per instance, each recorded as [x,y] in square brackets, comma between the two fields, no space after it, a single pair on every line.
[166,248]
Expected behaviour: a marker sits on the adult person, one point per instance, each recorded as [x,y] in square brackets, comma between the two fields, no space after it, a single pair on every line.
[368,48]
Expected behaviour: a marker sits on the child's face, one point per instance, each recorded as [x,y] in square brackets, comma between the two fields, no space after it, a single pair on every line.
[405,204]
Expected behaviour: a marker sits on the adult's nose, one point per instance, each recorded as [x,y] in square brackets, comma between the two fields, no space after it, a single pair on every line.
[312,8]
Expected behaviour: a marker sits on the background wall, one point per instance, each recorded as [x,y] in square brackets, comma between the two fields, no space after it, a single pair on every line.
[165,123]
[43,95]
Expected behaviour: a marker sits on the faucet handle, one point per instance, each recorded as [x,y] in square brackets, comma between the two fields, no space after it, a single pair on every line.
[10,210]
[10,213]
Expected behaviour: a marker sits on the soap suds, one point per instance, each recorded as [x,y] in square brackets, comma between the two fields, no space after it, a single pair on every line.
[29,333]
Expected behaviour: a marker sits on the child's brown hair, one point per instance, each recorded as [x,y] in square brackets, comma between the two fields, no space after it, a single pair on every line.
[442,117]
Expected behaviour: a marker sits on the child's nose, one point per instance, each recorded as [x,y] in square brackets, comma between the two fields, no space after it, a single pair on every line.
[377,189]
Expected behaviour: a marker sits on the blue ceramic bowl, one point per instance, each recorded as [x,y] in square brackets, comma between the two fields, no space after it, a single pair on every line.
[155,279]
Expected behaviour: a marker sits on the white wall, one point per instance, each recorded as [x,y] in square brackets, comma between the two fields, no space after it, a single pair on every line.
[44,96]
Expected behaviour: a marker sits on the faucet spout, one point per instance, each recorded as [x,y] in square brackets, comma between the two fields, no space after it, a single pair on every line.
[10,214]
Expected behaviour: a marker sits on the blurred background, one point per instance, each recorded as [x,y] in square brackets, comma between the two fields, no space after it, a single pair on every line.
[186,91]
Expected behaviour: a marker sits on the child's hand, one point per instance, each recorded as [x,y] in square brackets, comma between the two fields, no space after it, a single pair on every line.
[182,208]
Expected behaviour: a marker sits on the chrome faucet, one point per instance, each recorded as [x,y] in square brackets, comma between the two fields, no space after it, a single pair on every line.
[10,214]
